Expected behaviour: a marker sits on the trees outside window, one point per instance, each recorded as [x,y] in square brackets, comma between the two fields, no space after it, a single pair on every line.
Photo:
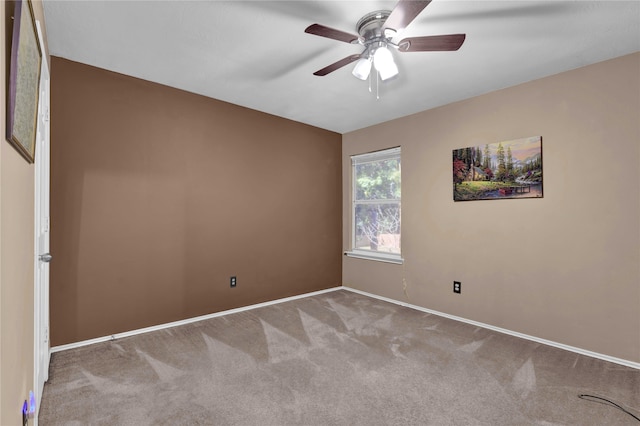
[376,213]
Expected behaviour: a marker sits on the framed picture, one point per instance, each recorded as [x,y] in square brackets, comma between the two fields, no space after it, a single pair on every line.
[510,169]
[24,81]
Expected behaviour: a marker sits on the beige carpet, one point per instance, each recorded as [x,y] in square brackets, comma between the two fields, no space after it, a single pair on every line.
[338,358]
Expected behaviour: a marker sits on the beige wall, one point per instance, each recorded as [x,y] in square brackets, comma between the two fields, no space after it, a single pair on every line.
[16,254]
[563,268]
[158,196]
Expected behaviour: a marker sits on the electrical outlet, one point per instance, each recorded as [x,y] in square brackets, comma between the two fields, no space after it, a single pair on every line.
[457,287]
[233,282]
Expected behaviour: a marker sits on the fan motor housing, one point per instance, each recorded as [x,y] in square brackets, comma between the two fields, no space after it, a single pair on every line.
[370,25]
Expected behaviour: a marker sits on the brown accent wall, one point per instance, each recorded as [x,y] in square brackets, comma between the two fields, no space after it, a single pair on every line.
[16,249]
[563,268]
[159,196]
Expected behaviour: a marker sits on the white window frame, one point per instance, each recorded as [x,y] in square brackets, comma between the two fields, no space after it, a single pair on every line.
[369,157]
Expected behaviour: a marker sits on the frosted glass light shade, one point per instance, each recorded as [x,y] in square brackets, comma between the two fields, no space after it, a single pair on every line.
[383,61]
[362,68]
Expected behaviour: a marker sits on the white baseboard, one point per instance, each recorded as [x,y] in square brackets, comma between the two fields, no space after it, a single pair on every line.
[580,351]
[184,321]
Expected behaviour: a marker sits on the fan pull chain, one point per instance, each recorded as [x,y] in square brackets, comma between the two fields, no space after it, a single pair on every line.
[377,74]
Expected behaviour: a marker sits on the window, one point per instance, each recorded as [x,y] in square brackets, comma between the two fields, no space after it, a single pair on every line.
[375,213]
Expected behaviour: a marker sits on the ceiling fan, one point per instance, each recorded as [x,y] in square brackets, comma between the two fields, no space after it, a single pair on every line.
[376,32]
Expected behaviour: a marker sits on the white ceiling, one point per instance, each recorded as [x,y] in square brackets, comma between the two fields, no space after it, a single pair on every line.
[256,54]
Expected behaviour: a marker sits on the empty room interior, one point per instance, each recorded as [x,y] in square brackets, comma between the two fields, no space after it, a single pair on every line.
[252,219]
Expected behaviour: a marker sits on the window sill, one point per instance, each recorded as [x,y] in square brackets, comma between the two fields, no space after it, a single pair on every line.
[377,256]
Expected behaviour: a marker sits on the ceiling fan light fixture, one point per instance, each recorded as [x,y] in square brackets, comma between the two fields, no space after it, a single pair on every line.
[384,63]
[362,68]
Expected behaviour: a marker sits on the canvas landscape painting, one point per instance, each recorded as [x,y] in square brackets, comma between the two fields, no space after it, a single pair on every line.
[509,169]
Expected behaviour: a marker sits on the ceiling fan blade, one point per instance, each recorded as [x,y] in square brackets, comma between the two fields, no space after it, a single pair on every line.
[337,65]
[432,43]
[322,31]
[404,13]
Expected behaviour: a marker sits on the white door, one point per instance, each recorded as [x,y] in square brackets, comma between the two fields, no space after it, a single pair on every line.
[41,289]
